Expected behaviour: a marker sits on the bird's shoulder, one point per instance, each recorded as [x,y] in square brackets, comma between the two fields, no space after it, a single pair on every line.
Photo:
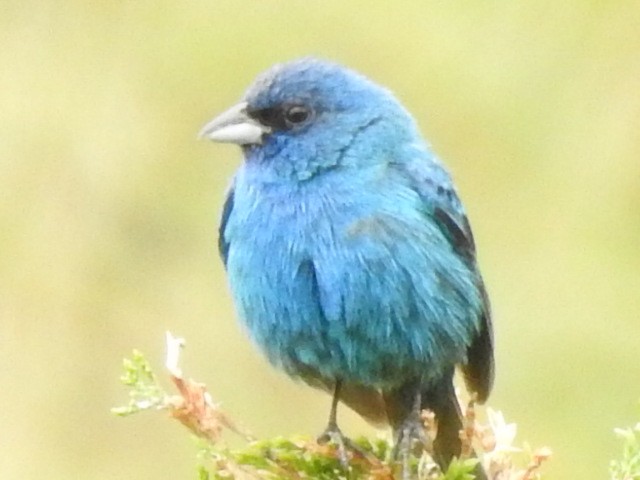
[223,242]
[433,184]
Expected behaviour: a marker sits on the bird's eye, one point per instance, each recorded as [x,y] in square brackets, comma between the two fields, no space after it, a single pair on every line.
[282,117]
[296,115]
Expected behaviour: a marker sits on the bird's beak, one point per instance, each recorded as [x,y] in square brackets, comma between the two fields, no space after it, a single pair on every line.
[234,126]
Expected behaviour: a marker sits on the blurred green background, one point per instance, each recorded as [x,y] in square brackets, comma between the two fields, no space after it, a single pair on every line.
[109,210]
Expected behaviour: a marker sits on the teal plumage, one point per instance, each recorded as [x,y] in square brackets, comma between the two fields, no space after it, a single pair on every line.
[349,254]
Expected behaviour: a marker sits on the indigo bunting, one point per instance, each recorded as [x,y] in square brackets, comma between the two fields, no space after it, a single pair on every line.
[349,255]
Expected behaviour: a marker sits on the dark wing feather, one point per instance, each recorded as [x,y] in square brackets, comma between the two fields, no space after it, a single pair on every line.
[479,369]
[442,204]
[223,244]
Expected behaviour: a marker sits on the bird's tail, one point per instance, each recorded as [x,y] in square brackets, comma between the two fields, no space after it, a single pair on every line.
[442,401]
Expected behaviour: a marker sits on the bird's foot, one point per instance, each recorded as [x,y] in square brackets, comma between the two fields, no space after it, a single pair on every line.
[410,435]
[343,444]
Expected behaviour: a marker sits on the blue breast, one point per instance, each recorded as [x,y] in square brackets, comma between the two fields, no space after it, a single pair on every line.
[350,281]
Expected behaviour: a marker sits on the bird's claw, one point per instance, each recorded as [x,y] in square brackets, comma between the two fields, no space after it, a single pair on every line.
[411,432]
[334,435]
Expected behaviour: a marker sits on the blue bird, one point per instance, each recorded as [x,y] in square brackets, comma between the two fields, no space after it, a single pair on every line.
[348,252]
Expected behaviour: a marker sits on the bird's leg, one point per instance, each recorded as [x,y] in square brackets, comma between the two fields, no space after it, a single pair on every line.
[333,433]
[410,431]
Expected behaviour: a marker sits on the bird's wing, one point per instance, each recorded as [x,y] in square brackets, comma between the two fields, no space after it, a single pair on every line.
[223,243]
[479,369]
[434,187]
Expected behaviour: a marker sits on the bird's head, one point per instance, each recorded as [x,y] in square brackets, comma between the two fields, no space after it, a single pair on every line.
[301,118]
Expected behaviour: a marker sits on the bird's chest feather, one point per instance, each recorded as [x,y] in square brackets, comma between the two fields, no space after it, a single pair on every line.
[350,281]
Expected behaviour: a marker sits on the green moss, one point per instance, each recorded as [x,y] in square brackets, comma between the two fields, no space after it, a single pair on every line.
[299,457]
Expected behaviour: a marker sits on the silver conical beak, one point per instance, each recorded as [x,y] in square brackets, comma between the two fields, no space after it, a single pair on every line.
[234,126]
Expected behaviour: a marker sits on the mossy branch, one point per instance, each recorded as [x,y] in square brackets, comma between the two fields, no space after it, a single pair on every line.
[300,457]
